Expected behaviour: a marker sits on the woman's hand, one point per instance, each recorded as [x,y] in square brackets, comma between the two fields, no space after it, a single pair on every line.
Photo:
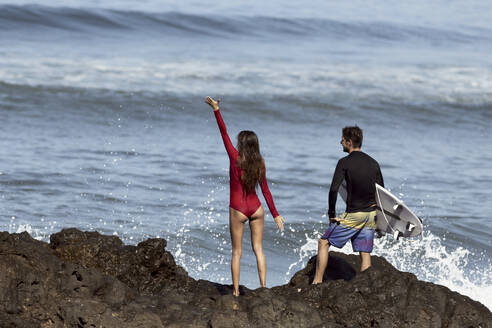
[279,220]
[214,104]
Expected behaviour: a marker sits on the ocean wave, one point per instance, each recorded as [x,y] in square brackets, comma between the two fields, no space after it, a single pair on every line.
[317,87]
[36,18]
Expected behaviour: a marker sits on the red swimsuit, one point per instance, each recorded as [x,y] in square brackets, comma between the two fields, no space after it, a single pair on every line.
[246,203]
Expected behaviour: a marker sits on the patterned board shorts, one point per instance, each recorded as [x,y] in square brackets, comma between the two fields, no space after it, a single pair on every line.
[358,227]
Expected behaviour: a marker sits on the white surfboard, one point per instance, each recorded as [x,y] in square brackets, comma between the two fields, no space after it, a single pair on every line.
[392,215]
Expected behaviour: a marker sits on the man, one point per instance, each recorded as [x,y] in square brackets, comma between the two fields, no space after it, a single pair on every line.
[361,172]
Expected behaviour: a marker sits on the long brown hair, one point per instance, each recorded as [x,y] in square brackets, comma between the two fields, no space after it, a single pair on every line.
[250,160]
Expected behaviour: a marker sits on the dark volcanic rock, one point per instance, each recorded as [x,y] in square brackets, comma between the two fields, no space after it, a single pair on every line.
[145,268]
[385,297]
[84,279]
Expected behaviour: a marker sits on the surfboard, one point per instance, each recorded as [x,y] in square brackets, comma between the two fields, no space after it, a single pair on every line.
[392,215]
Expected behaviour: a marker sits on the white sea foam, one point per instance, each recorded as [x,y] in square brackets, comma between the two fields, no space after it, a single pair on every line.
[449,84]
[35,233]
[187,251]
[429,260]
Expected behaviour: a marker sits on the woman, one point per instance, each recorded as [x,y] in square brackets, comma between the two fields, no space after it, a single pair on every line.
[246,171]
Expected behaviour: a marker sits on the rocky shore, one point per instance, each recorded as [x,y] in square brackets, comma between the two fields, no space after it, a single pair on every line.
[85,279]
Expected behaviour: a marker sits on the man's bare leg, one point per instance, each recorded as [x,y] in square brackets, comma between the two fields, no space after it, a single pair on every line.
[365,259]
[321,260]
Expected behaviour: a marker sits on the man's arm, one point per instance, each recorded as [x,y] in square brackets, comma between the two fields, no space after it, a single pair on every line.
[380,178]
[338,177]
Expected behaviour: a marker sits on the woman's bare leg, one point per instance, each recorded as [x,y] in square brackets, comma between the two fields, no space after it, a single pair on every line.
[236,228]
[256,224]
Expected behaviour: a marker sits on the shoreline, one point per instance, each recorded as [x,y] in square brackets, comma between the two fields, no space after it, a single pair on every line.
[86,279]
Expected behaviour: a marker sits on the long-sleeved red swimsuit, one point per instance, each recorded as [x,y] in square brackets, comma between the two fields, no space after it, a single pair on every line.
[240,200]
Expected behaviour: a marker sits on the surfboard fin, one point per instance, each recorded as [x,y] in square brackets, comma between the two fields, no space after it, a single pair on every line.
[397,234]
[411,227]
[395,207]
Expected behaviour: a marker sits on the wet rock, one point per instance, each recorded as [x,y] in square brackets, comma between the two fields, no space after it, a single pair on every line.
[145,268]
[385,297]
[85,279]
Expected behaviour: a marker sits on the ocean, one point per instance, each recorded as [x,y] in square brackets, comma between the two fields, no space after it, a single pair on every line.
[104,125]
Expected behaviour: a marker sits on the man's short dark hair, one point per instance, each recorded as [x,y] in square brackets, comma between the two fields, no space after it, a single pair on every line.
[353,133]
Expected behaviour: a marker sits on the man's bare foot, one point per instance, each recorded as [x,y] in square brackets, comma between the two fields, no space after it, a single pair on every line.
[235,293]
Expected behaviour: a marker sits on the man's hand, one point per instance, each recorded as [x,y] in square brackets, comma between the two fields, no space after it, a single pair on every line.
[214,104]
[335,220]
[279,220]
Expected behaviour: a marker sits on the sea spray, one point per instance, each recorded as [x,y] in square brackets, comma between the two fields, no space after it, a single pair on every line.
[424,256]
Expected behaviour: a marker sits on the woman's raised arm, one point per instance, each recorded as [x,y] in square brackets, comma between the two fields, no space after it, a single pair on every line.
[231,151]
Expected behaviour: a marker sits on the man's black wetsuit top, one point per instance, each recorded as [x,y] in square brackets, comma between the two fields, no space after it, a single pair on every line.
[361,172]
